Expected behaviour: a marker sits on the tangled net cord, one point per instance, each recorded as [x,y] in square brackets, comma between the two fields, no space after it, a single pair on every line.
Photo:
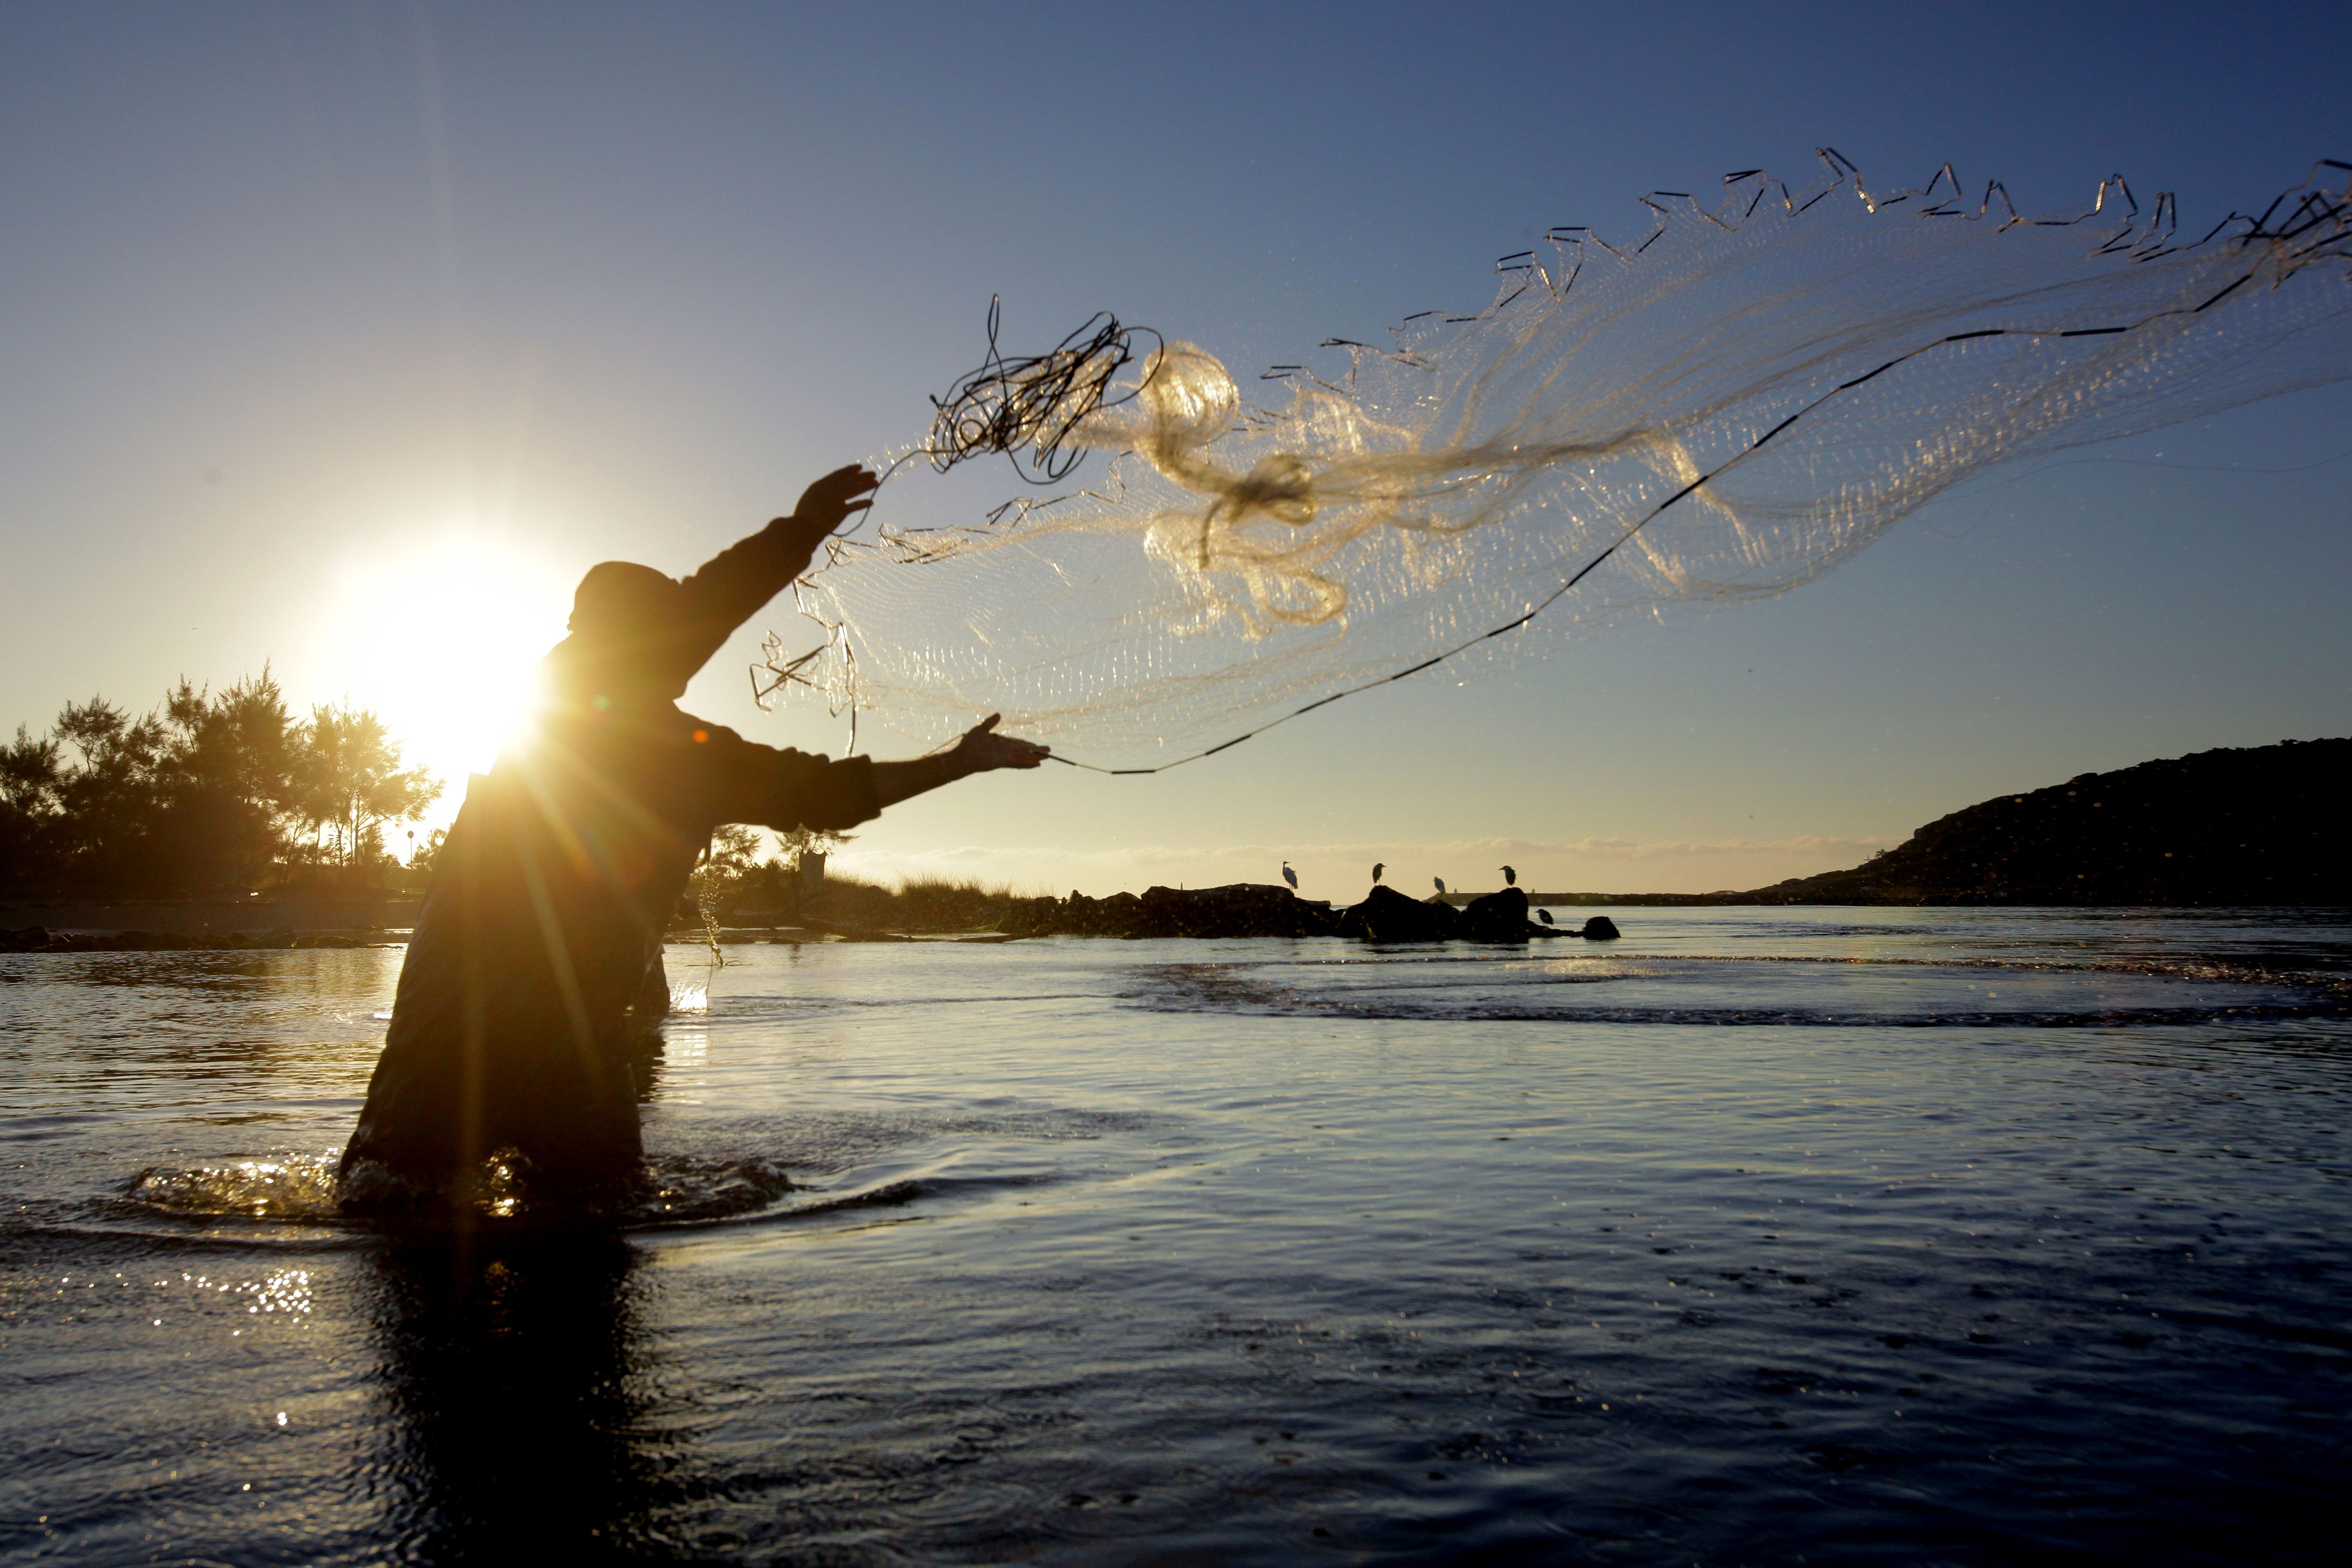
[1061,404]
[1037,401]
[1034,401]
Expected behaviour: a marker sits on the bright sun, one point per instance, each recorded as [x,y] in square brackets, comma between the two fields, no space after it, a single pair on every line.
[443,643]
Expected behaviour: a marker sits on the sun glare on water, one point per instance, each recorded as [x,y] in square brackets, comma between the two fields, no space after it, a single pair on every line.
[443,644]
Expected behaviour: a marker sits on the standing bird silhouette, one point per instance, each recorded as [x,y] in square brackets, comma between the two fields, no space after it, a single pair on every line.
[1441,885]
[1379,867]
[1544,916]
[1510,877]
[1290,876]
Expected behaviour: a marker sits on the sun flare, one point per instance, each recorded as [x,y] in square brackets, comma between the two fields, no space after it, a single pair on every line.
[444,643]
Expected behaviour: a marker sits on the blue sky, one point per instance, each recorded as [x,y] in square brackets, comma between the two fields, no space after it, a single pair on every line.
[345,337]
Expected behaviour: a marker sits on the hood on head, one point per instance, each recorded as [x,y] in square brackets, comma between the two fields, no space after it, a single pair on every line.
[628,625]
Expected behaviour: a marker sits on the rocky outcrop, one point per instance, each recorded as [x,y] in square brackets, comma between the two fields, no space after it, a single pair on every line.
[1600,927]
[1241,909]
[1497,917]
[1387,915]
[1257,910]
[1244,909]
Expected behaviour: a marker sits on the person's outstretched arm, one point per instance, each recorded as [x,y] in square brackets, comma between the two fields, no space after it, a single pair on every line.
[981,751]
[744,781]
[731,585]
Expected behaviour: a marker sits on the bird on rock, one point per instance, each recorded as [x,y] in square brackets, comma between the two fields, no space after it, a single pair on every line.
[1379,867]
[1544,916]
[1289,875]
[1441,885]
[1510,877]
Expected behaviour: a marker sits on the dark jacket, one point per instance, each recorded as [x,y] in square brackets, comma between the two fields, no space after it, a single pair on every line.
[551,896]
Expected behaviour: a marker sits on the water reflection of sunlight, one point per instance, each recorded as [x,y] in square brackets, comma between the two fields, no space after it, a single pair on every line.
[443,642]
[686,1044]
[686,1060]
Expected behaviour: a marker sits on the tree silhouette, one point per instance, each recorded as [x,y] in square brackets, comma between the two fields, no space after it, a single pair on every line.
[32,781]
[226,780]
[109,802]
[349,781]
[202,792]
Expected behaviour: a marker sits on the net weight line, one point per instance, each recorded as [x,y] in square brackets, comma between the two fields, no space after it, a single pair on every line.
[2332,211]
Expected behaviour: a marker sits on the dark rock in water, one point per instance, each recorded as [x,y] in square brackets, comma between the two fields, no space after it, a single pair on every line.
[1495,917]
[1387,915]
[1600,927]
[1240,908]
[1251,909]
[1078,915]
[1122,914]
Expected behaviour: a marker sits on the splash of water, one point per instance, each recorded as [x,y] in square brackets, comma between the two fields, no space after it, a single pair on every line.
[301,1187]
[307,1189]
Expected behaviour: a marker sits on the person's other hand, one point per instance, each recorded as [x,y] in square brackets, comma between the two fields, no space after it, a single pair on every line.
[981,749]
[831,502]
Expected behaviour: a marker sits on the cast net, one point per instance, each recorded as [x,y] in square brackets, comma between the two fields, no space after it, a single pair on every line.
[1724,410]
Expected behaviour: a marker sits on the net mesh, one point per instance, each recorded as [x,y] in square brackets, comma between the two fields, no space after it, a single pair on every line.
[1724,410]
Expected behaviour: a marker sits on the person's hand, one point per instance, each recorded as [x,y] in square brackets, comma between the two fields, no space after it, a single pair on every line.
[831,502]
[981,749]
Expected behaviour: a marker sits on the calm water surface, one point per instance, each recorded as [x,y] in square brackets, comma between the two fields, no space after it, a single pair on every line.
[1759,1237]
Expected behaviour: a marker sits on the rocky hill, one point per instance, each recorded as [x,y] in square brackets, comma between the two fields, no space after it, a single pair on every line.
[2263,824]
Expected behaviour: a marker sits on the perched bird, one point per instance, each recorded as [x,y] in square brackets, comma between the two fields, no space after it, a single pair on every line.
[1510,877]
[1441,885]
[1544,916]
[1289,875]
[1379,867]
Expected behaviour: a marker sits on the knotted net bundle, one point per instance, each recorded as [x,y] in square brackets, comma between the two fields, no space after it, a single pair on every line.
[1724,410]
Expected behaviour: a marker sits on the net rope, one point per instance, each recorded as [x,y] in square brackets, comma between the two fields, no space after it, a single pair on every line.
[1722,411]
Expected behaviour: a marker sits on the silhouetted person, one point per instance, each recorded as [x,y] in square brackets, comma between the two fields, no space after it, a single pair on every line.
[551,896]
